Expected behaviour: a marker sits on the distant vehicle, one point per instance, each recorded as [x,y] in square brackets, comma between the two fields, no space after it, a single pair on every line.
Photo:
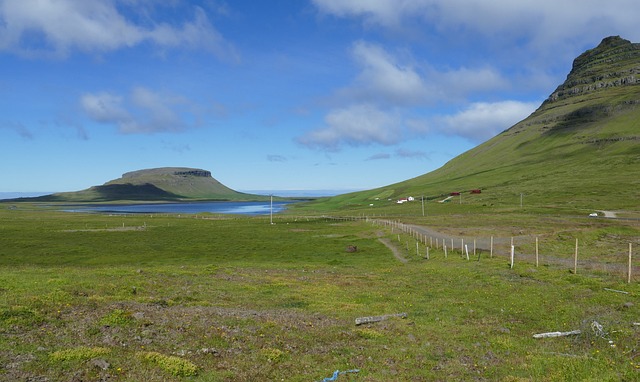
[593,215]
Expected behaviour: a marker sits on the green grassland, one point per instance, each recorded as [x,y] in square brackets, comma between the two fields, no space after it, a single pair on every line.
[225,298]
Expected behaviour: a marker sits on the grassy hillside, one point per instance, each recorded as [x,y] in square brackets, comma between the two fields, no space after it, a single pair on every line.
[579,151]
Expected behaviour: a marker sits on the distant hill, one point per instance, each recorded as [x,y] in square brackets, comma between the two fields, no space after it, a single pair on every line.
[157,184]
[580,149]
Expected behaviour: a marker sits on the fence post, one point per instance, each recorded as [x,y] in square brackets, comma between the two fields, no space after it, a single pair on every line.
[491,248]
[536,252]
[629,273]
[575,259]
[512,255]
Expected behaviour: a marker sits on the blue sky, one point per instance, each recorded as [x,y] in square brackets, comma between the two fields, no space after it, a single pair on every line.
[279,94]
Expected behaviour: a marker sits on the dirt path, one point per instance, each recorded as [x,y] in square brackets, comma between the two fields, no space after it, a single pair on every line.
[396,252]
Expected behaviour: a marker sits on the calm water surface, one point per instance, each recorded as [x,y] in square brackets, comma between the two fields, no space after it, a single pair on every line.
[243,208]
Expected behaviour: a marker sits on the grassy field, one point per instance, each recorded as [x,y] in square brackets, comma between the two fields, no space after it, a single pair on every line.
[213,298]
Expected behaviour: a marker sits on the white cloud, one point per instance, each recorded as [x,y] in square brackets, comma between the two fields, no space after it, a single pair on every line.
[37,27]
[542,17]
[481,121]
[385,12]
[162,112]
[385,84]
[356,125]
[463,81]
[555,27]
[104,107]
[143,111]
[383,78]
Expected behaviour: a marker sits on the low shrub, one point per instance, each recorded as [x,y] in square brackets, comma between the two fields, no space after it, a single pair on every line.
[117,317]
[176,366]
[272,355]
[82,353]
[368,333]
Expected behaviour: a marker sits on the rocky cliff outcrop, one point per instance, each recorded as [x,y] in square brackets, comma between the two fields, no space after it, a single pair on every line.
[167,171]
[202,173]
[615,62]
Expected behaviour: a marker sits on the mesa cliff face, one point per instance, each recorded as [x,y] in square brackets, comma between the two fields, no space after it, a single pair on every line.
[615,62]
[167,171]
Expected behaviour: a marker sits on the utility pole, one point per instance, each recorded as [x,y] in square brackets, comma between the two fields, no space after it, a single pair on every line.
[422,205]
[271,209]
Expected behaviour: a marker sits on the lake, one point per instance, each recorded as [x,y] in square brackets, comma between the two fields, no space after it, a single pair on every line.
[243,208]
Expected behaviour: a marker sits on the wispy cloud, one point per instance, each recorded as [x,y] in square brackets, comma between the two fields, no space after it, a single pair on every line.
[276,158]
[458,83]
[400,153]
[48,27]
[178,148]
[541,22]
[356,125]
[142,111]
[379,156]
[414,154]
[481,121]
[392,78]
[18,128]
[383,78]
[381,100]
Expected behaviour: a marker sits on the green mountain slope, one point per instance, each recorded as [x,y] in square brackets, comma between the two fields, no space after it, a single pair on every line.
[579,150]
[158,184]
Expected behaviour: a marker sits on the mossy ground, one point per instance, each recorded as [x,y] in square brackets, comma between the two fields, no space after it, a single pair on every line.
[239,299]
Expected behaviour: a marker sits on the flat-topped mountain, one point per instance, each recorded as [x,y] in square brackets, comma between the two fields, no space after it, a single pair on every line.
[157,184]
[181,181]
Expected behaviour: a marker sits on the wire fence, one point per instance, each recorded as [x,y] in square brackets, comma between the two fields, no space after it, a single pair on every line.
[526,249]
